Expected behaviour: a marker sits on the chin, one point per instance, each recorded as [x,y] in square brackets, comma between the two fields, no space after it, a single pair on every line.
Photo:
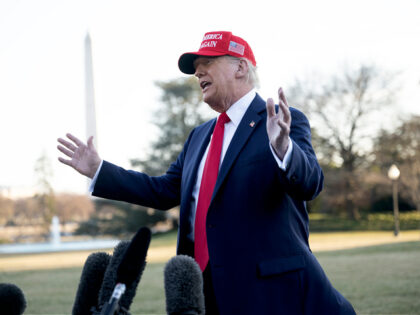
[207,99]
[216,107]
[214,103]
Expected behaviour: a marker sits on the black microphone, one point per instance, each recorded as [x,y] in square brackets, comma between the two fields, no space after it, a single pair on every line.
[109,280]
[123,274]
[12,299]
[90,283]
[183,286]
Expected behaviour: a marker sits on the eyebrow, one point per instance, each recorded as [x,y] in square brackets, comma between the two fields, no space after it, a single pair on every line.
[203,58]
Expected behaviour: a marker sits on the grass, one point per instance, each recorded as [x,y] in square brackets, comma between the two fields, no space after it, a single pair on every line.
[381,279]
[53,291]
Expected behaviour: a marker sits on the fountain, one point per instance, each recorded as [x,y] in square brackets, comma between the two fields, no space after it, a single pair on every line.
[55,231]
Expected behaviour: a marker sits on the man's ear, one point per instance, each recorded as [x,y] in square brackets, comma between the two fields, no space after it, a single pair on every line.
[242,69]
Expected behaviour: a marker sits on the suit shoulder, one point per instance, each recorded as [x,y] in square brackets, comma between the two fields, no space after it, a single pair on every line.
[296,113]
[201,130]
[207,123]
[204,126]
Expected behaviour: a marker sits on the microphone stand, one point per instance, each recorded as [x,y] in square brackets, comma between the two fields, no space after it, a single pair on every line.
[112,306]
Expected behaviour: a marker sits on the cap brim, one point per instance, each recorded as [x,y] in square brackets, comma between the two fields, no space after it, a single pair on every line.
[186,61]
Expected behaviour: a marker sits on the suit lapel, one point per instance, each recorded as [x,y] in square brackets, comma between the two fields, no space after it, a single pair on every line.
[196,150]
[245,129]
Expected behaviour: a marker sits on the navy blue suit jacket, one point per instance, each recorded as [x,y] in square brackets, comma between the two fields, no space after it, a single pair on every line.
[257,223]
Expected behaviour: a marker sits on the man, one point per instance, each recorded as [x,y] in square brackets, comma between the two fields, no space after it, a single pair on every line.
[241,184]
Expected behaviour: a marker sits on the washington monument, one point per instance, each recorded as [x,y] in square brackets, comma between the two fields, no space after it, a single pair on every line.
[89,93]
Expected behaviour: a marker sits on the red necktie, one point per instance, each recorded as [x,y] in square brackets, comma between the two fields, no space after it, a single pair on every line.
[208,182]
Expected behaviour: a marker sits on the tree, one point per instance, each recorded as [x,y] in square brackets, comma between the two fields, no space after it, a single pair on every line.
[6,210]
[182,110]
[45,195]
[342,111]
[72,207]
[27,212]
[402,147]
[119,218]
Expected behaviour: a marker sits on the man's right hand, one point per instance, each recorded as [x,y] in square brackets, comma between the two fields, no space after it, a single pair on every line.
[83,158]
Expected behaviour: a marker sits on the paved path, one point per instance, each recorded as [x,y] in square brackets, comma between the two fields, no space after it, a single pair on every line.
[346,240]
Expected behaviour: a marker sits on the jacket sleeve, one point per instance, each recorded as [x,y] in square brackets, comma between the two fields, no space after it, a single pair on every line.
[303,175]
[159,192]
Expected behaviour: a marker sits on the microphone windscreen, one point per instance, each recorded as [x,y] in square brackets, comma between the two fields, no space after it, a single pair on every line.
[126,266]
[12,299]
[110,277]
[90,283]
[183,286]
[134,259]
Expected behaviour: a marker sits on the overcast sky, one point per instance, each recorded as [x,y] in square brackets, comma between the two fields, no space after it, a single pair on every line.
[136,43]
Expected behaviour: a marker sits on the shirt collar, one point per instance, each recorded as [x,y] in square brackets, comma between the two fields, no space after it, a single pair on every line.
[238,109]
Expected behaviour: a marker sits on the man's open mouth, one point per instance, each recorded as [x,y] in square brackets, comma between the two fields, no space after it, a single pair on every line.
[204,85]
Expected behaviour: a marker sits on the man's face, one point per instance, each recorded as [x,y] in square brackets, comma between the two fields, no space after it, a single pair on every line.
[216,76]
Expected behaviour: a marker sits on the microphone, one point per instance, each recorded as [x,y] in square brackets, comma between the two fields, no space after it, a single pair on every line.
[134,260]
[183,286]
[12,299]
[123,273]
[109,280]
[90,283]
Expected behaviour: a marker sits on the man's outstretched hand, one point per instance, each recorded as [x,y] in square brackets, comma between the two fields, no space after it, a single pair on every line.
[278,125]
[83,158]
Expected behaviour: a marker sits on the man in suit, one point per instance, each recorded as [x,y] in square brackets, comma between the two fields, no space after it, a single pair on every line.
[241,183]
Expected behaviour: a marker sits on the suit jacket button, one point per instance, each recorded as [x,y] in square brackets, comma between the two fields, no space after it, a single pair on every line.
[293,178]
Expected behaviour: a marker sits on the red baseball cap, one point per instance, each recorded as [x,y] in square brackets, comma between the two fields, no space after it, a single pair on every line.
[217,44]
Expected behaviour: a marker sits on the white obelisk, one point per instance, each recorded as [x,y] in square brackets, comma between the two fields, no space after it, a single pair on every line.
[89,93]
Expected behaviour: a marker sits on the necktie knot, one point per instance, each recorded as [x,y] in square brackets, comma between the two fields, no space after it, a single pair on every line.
[223,119]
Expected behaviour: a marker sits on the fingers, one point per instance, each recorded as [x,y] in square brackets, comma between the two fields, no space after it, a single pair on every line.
[284,126]
[65,151]
[67,144]
[284,107]
[74,139]
[90,143]
[282,97]
[286,112]
[271,111]
[64,161]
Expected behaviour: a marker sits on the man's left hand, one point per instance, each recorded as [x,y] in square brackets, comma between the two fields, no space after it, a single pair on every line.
[278,125]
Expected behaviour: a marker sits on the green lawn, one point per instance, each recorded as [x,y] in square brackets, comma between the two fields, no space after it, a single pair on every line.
[377,280]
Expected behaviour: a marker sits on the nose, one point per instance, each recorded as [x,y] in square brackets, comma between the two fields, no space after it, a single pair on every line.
[199,72]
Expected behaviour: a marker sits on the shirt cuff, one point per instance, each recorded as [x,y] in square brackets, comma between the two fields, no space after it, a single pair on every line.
[93,182]
[283,164]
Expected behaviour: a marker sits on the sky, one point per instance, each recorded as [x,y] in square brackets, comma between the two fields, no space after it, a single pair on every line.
[136,43]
